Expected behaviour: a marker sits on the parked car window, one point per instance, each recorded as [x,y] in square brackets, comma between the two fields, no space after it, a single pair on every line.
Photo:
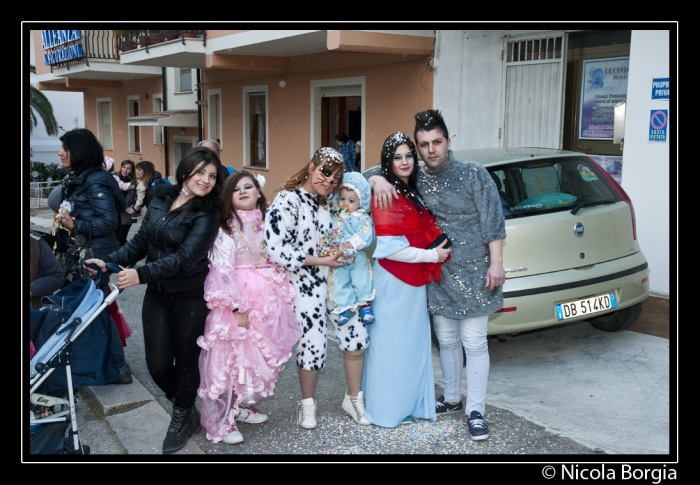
[553,185]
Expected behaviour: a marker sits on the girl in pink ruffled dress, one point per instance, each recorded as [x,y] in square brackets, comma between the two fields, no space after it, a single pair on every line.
[251,328]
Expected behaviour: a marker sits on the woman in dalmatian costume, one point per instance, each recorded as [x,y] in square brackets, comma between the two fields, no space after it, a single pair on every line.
[295,223]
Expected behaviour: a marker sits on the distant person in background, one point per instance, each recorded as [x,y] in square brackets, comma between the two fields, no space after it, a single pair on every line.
[126,183]
[358,156]
[213,145]
[144,177]
[346,147]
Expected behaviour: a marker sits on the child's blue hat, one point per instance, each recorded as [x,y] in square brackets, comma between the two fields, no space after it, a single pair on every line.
[357,182]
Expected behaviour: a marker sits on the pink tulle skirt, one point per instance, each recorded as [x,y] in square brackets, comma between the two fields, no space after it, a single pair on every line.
[239,366]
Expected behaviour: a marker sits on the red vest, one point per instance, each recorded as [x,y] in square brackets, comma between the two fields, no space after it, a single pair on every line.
[403,219]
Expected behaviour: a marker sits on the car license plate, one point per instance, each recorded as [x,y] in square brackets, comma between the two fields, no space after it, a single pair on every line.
[579,308]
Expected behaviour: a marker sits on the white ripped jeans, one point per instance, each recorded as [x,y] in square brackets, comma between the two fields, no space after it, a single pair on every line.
[473,336]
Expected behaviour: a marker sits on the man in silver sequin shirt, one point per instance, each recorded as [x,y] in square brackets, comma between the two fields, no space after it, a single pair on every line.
[465,202]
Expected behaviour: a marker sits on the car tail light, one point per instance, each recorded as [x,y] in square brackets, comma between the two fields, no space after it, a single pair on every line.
[506,310]
[621,192]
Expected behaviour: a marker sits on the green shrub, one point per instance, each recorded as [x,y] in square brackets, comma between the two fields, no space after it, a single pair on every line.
[41,172]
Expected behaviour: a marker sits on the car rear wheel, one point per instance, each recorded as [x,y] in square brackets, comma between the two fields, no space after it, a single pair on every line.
[619,320]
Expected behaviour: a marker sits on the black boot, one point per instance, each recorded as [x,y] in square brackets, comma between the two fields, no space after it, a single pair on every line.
[124,376]
[178,431]
[195,420]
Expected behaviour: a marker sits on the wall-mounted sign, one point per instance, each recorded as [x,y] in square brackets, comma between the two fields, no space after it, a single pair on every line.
[660,88]
[51,39]
[658,122]
[62,55]
[604,85]
[54,38]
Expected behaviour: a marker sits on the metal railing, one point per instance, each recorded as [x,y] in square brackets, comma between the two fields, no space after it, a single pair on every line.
[144,38]
[106,44]
[39,193]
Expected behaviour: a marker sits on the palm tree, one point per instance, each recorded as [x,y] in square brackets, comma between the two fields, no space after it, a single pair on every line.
[40,103]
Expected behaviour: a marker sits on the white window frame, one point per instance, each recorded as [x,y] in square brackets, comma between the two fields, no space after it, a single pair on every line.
[521,125]
[247,129]
[214,104]
[348,86]
[132,130]
[191,140]
[104,132]
[178,75]
[158,131]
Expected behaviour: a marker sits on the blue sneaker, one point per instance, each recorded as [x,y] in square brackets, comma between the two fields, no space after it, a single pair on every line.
[441,407]
[367,315]
[478,429]
[344,318]
[407,420]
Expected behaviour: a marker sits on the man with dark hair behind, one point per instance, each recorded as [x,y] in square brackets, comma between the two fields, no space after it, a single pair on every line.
[470,287]
[346,147]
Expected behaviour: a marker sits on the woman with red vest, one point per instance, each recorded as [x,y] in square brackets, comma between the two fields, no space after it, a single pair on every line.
[398,375]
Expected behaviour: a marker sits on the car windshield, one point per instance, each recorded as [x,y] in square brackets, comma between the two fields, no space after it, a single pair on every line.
[558,184]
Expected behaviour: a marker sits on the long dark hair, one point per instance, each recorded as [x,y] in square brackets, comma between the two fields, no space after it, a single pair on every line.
[410,190]
[148,168]
[84,149]
[185,171]
[228,210]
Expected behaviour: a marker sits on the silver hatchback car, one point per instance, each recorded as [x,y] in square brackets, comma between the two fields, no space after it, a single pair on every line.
[571,251]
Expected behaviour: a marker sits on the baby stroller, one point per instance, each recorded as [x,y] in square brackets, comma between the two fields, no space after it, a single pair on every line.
[71,334]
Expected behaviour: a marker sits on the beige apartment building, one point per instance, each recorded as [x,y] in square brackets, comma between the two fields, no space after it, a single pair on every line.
[270,97]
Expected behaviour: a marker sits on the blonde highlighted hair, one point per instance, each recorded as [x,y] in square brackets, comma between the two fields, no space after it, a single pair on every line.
[327,157]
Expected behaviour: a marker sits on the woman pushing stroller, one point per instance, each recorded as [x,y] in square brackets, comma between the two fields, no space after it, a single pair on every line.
[176,234]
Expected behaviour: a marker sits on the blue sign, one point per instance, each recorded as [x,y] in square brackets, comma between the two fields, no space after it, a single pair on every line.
[658,122]
[54,38]
[69,53]
[660,88]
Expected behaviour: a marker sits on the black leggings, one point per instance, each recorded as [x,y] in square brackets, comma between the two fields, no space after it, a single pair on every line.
[172,322]
[122,233]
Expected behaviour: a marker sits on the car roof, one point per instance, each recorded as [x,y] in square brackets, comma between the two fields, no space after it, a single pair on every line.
[498,156]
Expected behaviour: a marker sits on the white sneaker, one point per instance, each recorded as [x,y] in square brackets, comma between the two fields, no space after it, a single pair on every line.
[251,415]
[306,413]
[355,407]
[234,437]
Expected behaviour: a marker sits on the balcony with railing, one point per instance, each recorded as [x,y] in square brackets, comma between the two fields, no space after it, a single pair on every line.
[164,48]
[128,40]
[80,58]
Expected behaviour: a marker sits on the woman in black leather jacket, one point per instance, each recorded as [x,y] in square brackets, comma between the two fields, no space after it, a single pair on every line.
[176,233]
[95,202]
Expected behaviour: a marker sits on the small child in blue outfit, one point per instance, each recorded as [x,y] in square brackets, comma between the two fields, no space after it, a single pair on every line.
[352,284]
